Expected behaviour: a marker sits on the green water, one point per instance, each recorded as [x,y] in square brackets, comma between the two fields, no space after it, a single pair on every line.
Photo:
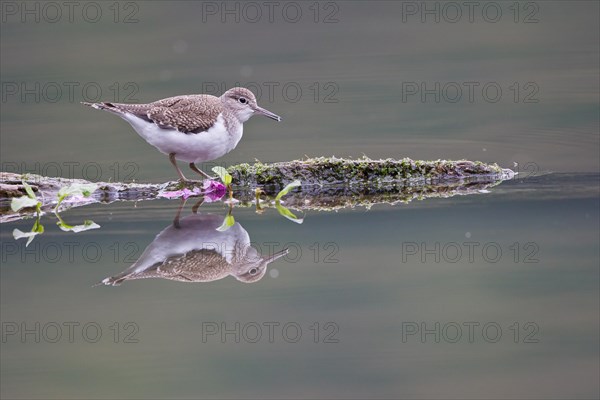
[492,295]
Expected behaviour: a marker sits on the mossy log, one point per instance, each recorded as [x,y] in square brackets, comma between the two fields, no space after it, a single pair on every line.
[327,183]
[332,170]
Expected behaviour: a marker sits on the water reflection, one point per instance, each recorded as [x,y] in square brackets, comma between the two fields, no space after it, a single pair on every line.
[199,248]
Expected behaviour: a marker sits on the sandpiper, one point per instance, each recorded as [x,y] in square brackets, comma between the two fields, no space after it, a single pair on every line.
[194,250]
[192,128]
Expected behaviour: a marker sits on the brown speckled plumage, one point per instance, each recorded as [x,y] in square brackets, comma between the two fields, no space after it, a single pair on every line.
[188,113]
[196,266]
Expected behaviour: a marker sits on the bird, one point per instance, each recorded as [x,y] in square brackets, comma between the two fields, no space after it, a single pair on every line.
[194,250]
[192,128]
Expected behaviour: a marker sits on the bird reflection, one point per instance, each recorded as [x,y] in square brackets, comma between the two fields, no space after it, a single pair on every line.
[191,249]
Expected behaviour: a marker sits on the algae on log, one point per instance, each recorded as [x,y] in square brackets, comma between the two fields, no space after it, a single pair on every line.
[327,184]
[332,170]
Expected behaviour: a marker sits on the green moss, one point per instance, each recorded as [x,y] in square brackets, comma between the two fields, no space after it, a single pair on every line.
[321,170]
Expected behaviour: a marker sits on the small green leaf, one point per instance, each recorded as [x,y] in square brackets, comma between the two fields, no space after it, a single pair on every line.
[287,189]
[228,222]
[86,192]
[64,226]
[81,189]
[87,225]
[37,227]
[284,211]
[220,171]
[75,189]
[29,190]
[223,175]
[63,192]
[18,203]
[18,234]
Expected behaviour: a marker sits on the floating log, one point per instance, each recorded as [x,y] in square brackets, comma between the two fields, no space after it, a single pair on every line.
[327,183]
[332,170]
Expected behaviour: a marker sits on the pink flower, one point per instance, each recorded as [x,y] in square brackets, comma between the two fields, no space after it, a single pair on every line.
[213,191]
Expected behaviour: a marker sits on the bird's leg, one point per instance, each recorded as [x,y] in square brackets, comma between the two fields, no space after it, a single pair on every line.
[197,205]
[178,214]
[196,169]
[181,177]
[172,159]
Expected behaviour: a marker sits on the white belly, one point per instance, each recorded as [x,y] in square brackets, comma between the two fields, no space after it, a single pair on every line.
[196,232]
[188,147]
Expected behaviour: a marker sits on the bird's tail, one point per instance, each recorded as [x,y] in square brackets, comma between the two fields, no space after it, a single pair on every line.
[111,281]
[102,106]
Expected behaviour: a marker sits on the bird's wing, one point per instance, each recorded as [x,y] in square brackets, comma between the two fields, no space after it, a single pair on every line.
[202,265]
[187,114]
[139,110]
[197,265]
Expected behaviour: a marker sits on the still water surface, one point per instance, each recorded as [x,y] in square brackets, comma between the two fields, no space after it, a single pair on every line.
[492,295]
[504,283]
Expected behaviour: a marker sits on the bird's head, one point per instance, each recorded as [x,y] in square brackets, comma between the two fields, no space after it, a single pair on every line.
[256,266]
[242,103]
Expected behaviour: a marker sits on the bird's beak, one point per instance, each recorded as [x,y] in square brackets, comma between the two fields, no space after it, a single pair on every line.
[277,255]
[267,113]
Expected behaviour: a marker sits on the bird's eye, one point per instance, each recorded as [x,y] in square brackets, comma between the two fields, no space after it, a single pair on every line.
[243,100]
[253,271]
